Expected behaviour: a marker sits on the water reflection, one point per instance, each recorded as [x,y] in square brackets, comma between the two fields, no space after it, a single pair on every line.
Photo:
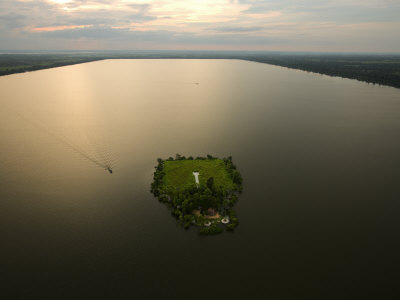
[319,157]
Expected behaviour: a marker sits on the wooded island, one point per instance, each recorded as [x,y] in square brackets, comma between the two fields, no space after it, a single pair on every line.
[199,191]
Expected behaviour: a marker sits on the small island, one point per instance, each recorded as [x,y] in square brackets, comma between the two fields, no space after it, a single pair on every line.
[199,191]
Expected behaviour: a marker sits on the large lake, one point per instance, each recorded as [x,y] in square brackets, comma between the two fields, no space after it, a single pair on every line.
[320,158]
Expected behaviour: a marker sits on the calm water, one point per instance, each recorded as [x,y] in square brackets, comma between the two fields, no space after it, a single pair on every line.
[320,158]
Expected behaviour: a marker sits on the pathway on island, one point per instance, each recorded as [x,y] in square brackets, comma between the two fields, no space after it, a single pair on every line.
[196,177]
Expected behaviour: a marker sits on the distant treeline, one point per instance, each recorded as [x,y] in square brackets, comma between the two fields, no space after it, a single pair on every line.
[375,69]
[19,63]
[382,69]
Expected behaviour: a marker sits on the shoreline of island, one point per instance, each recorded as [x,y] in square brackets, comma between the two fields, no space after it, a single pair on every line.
[207,204]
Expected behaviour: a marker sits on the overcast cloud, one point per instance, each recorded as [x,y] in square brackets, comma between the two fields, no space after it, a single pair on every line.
[290,25]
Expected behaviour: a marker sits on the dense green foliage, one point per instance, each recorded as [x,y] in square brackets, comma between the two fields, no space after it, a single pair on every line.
[210,230]
[381,69]
[19,63]
[375,69]
[219,182]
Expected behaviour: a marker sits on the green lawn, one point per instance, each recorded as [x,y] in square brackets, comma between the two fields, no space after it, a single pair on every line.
[179,173]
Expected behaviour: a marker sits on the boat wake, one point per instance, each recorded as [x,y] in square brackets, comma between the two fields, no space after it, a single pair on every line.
[92,152]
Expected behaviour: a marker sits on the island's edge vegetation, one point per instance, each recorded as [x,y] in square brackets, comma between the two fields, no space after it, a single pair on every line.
[381,69]
[206,205]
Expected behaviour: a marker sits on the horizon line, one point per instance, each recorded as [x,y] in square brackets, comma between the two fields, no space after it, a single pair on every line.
[7,51]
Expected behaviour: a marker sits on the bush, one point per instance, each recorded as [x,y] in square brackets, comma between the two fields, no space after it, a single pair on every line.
[233,200]
[230,227]
[237,178]
[176,213]
[188,218]
[210,182]
[163,198]
[210,230]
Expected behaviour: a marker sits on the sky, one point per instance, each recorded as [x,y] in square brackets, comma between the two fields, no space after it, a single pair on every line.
[275,25]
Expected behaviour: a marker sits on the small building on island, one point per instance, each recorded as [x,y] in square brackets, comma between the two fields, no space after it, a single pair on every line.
[211,212]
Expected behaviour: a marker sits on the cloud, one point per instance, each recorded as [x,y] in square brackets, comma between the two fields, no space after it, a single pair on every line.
[237,29]
[57,28]
[121,38]
[338,11]
[140,18]
[284,24]
[12,21]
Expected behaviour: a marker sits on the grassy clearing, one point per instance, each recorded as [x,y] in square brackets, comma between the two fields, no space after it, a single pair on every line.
[179,173]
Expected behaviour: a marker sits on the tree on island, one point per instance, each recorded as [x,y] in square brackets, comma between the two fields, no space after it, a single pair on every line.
[210,183]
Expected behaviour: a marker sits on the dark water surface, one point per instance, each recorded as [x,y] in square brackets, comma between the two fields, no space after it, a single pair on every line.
[320,158]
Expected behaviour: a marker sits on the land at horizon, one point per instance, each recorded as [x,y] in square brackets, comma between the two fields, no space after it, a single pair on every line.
[382,69]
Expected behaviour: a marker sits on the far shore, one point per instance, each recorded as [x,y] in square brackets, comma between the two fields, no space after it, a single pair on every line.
[381,69]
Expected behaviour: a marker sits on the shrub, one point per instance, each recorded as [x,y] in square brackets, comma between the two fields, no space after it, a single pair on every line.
[230,227]
[210,182]
[210,230]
